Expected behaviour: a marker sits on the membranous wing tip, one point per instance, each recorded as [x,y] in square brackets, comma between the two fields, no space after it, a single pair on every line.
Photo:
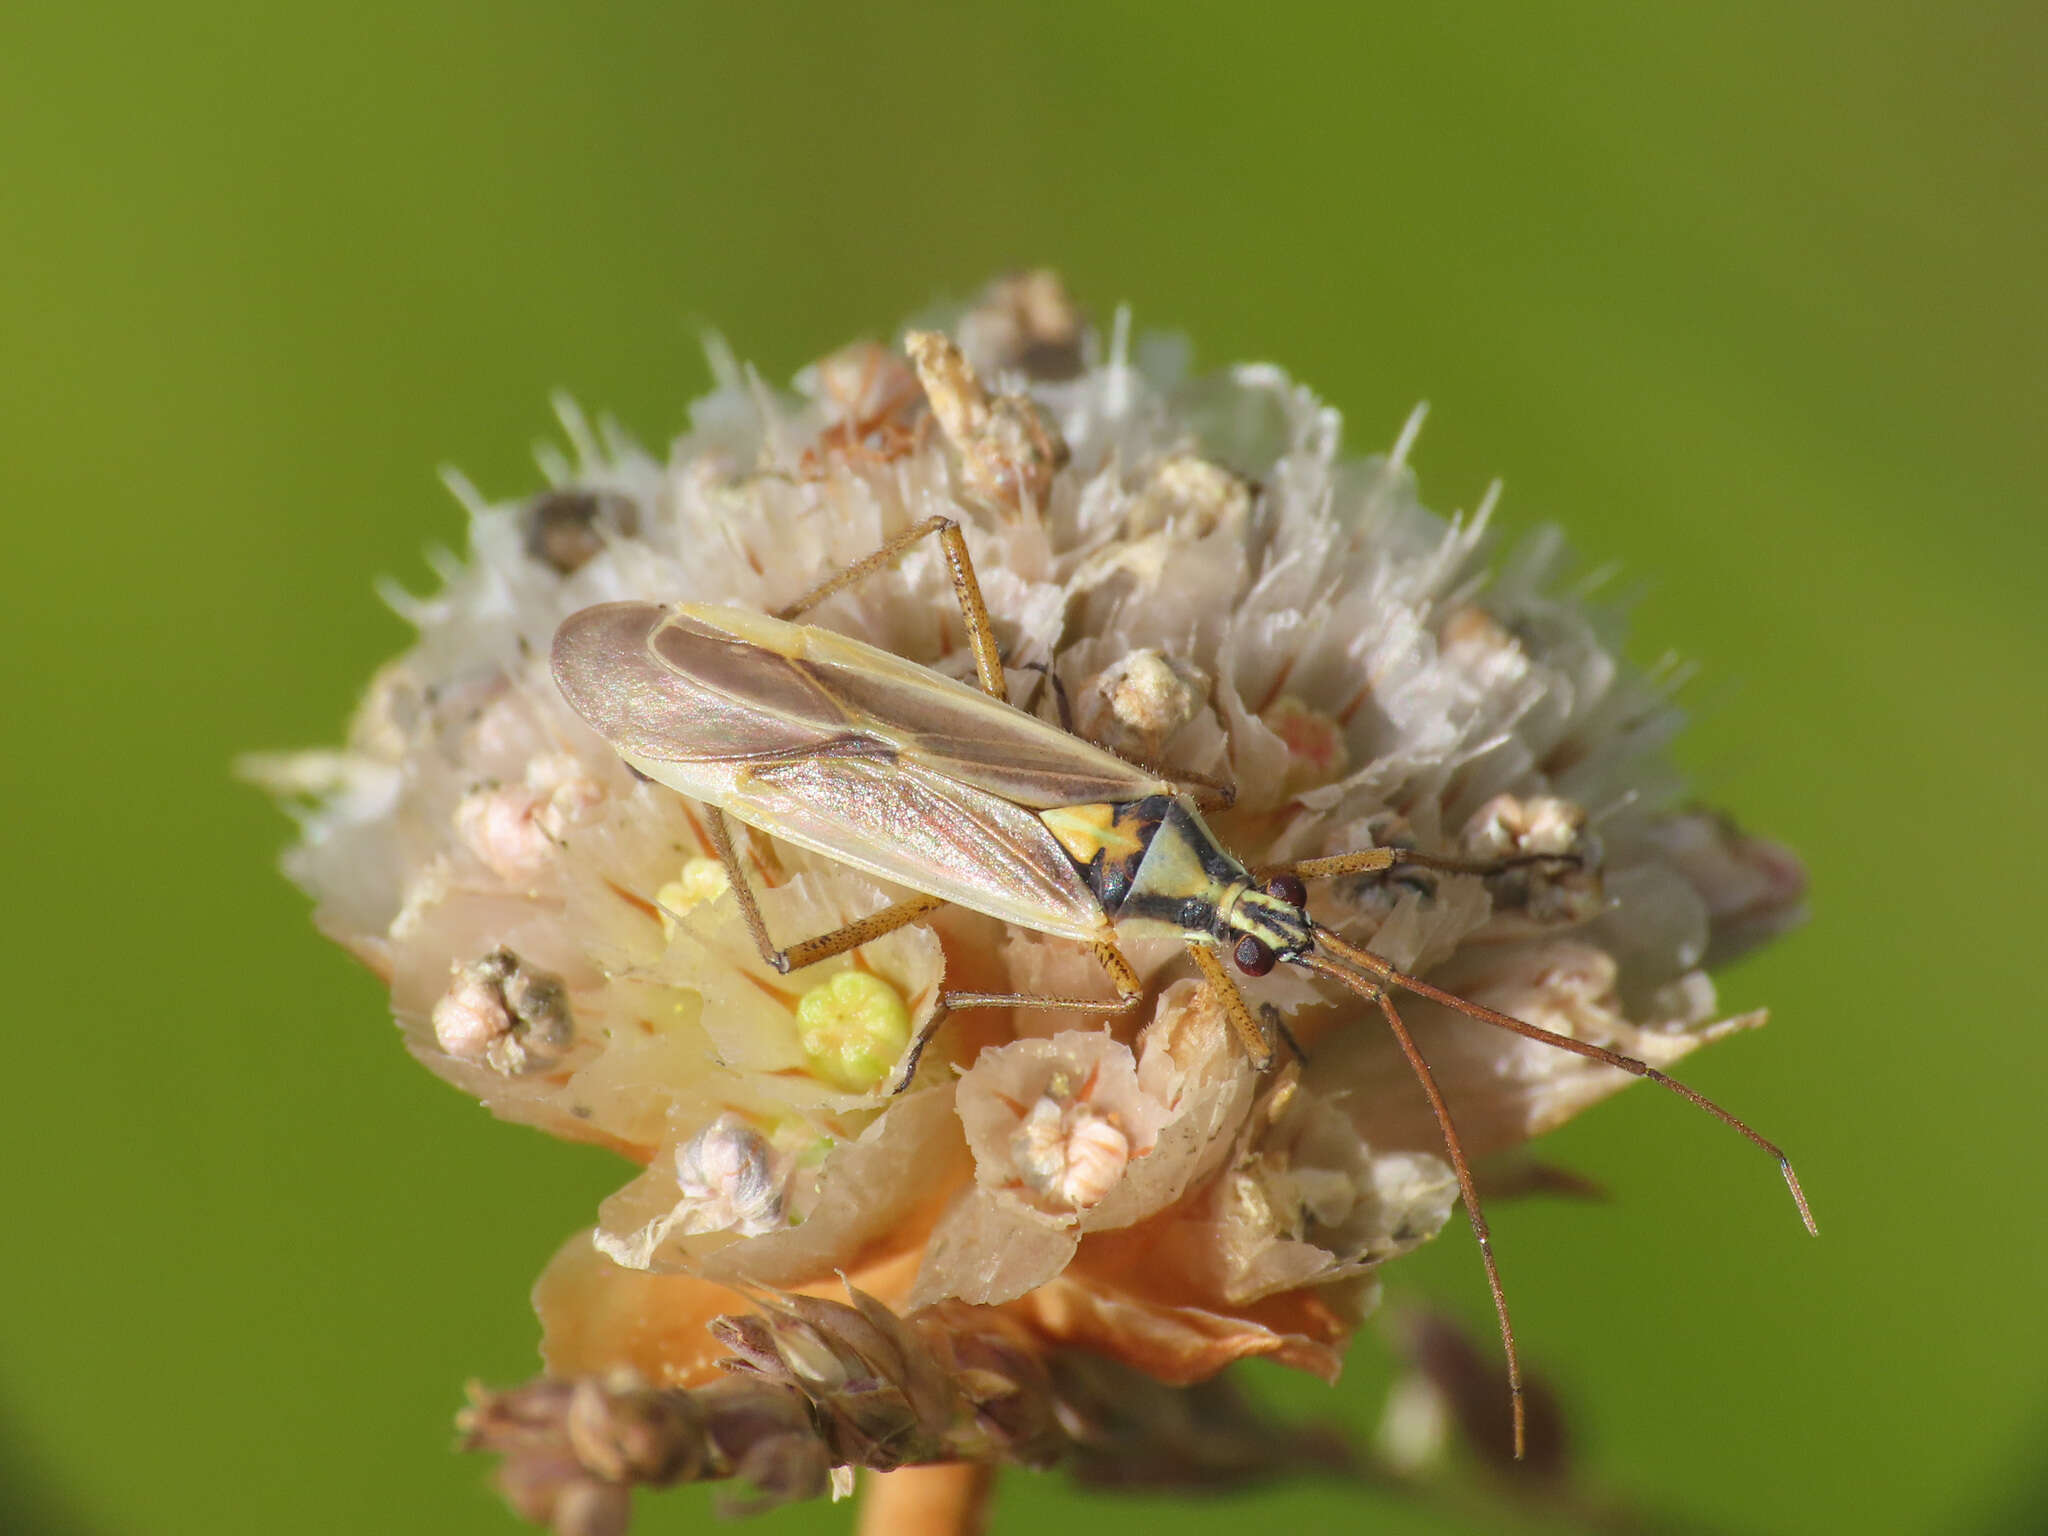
[662,686]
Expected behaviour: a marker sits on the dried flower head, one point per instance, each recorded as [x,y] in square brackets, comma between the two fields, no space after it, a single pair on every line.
[1185,568]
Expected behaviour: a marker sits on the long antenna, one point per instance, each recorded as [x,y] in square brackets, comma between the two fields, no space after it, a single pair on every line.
[1322,966]
[1375,966]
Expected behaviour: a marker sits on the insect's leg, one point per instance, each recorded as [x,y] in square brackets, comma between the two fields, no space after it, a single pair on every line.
[862,930]
[1373,861]
[1059,694]
[1128,990]
[1256,1046]
[1270,1017]
[988,661]
[1210,794]
[824,946]
[861,569]
[1470,1191]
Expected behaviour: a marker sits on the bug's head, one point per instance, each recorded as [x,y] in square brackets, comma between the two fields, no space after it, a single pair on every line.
[1269,924]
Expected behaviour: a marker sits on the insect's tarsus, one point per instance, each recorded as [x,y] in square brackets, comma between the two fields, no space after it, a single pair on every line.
[1270,1017]
[1064,704]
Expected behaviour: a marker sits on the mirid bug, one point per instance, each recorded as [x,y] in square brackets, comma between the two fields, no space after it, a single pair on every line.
[948,789]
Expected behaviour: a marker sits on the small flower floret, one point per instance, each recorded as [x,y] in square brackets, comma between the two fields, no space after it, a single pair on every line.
[854,1027]
[511,1016]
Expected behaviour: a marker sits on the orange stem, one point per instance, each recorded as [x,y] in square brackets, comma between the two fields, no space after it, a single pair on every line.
[946,1499]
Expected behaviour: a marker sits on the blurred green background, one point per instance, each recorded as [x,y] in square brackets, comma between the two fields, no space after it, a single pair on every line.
[1749,296]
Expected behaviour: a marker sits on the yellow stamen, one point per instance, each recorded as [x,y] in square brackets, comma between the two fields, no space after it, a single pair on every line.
[702,880]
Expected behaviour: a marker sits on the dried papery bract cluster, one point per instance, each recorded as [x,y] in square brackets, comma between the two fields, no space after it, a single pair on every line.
[1184,568]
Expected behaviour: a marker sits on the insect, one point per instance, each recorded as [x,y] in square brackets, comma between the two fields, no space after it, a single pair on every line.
[952,791]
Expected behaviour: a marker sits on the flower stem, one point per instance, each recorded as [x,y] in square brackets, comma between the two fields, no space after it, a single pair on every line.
[948,1499]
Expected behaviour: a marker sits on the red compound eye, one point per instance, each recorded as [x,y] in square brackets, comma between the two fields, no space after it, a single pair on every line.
[1252,957]
[1288,888]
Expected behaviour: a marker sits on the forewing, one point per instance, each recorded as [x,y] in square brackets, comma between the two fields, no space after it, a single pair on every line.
[951,727]
[709,684]
[906,823]
[961,732]
[661,686]
[847,750]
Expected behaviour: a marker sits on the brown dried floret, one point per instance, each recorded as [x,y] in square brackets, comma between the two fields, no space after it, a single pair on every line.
[1009,451]
[566,529]
[511,1016]
[1026,321]
[875,409]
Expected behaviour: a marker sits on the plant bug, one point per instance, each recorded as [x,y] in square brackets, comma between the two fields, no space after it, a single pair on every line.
[884,765]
